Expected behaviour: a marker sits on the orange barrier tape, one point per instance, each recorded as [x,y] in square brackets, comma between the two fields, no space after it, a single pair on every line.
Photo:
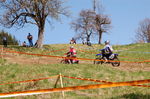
[141,85]
[71,58]
[132,58]
[119,56]
[33,80]
[84,87]
[109,60]
[96,53]
[87,79]
[61,56]
[88,52]
[146,61]
[32,54]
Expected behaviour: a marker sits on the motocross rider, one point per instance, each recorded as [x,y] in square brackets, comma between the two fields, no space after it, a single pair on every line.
[107,51]
[72,52]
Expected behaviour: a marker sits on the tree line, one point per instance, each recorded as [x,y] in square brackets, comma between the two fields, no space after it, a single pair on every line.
[11,40]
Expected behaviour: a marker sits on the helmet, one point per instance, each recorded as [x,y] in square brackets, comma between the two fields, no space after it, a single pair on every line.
[107,42]
[71,46]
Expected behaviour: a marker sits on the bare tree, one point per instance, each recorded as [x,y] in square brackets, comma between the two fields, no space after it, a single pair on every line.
[143,31]
[102,21]
[102,25]
[84,25]
[37,12]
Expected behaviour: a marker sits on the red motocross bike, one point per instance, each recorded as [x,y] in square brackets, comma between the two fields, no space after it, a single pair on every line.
[69,59]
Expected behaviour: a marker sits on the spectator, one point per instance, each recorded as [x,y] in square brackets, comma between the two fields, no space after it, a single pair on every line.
[89,43]
[30,37]
[73,41]
[83,41]
[5,41]
[24,44]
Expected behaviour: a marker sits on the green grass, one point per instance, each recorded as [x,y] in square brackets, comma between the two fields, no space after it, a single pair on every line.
[16,72]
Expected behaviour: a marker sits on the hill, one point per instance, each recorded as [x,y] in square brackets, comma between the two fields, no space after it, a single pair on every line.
[23,63]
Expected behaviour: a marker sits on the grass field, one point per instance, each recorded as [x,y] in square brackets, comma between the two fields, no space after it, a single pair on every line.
[18,67]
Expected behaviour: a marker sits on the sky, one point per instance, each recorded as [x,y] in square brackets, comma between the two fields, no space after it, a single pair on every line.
[124,14]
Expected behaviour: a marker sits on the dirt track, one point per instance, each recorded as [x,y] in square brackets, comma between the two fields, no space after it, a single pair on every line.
[21,59]
[30,60]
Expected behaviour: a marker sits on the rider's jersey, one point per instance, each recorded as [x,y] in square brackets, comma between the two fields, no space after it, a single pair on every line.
[108,49]
[73,51]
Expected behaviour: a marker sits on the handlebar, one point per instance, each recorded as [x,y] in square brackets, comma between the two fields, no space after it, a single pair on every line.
[101,49]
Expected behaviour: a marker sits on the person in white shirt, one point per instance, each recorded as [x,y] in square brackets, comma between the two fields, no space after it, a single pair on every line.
[107,45]
[107,51]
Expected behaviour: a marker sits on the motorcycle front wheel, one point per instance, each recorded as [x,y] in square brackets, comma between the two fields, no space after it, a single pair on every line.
[115,62]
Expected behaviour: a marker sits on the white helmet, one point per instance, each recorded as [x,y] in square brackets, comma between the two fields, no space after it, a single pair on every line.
[107,42]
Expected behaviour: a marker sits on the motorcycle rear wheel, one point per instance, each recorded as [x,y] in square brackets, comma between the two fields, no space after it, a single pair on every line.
[64,62]
[98,62]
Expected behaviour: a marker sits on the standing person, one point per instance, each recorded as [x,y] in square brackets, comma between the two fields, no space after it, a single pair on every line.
[83,41]
[72,41]
[5,41]
[30,37]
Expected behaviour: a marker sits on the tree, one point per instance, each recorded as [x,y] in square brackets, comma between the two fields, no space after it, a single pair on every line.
[143,31]
[85,25]
[11,40]
[102,25]
[102,21]
[37,12]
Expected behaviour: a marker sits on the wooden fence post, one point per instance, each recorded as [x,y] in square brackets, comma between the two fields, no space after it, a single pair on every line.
[55,86]
[61,83]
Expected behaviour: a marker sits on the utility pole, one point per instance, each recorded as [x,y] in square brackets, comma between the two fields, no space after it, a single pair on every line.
[94,5]
[97,7]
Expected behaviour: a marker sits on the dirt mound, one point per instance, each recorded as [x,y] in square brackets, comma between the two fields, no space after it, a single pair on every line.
[134,67]
[30,60]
